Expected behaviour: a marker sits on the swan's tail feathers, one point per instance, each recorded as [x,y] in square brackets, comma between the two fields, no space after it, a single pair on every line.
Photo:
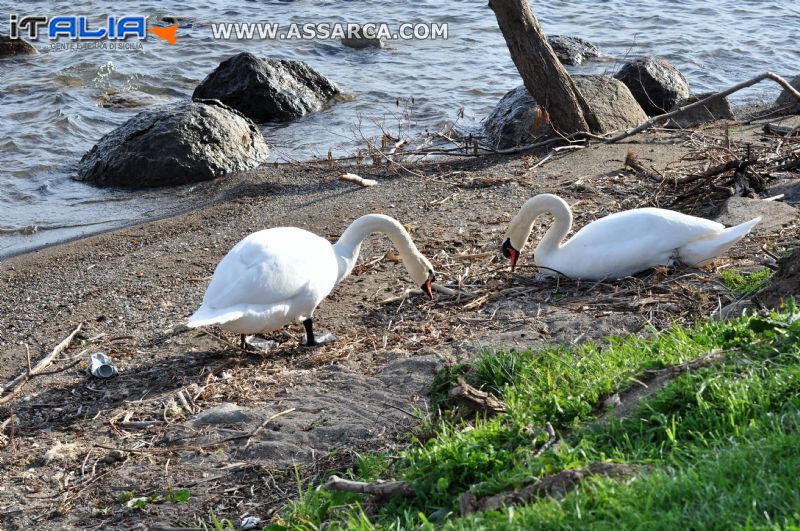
[699,252]
[205,316]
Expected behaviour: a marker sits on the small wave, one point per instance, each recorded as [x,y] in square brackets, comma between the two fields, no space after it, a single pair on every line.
[25,231]
[45,188]
[33,229]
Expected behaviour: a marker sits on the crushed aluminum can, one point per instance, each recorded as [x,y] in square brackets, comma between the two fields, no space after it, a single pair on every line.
[101,366]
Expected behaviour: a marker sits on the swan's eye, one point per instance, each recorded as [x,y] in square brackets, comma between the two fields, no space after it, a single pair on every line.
[431,275]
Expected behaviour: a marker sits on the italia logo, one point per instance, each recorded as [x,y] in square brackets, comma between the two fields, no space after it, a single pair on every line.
[80,29]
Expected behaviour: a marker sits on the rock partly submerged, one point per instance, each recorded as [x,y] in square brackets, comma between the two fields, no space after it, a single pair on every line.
[360,39]
[126,100]
[10,47]
[572,50]
[175,144]
[657,85]
[513,120]
[267,89]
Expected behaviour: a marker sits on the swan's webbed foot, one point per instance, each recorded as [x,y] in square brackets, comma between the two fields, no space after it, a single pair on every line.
[315,340]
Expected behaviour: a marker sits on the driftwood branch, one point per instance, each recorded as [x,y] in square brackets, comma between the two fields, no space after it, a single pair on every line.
[357,179]
[554,486]
[472,401]
[381,489]
[17,383]
[660,118]
[785,130]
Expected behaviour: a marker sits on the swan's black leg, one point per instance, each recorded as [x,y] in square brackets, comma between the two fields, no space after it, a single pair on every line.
[311,341]
[242,343]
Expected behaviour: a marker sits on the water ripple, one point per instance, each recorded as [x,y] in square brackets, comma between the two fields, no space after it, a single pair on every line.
[53,102]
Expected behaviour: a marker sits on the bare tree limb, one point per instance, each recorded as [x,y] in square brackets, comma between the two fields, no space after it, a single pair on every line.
[381,489]
[554,486]
[660,118]
[472,401]
[16,384]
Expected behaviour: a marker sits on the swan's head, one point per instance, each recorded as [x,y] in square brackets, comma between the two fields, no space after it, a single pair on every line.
[423,274]
[516,236]
[519,230]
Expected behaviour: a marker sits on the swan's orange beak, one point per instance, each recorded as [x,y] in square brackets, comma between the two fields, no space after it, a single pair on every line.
[510,253]
[427,288]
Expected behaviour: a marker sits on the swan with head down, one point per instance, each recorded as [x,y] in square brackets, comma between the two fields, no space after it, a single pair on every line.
[279,276]
[620,244]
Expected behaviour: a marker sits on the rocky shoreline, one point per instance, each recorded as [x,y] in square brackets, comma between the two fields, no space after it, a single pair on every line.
[131,289]
[189,412]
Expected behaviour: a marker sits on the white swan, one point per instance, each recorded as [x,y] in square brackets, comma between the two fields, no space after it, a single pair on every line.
[620,244]
[278,276]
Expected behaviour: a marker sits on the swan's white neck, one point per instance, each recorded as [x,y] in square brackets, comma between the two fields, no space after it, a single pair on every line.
[520,228]
[348,247]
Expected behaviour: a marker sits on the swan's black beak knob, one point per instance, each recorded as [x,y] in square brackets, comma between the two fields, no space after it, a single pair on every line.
[427,287]
[510,253]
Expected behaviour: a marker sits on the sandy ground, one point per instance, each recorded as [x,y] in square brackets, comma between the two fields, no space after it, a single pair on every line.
[189,411]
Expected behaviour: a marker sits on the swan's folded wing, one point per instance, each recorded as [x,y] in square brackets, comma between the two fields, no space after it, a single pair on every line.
[645,228]
[265,271]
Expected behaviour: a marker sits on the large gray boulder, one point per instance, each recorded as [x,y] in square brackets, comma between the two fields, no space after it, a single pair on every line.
[175,144]
[572,50]
[716,109]
[612,102]
[511,122]
[786,99]
[657,85]
[267,89]
[10,47]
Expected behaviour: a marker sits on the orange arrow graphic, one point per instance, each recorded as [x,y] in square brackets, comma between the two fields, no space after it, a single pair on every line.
[166,32]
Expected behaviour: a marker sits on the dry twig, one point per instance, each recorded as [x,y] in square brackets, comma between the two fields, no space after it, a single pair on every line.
[701,103]
[16,384]
[357,179]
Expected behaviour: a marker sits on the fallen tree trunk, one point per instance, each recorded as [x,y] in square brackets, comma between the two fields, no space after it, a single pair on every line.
[544,76]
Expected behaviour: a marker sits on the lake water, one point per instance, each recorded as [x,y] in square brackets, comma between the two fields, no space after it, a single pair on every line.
[52,104]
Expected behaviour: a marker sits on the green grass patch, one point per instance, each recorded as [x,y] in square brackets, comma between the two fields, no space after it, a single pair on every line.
[742,283]
[717,444]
